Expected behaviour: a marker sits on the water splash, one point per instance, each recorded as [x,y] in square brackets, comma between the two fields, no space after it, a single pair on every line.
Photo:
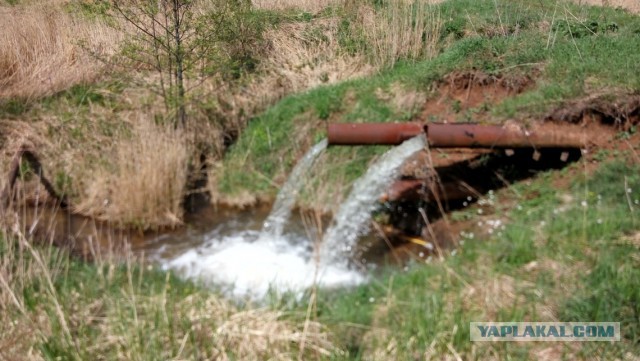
[281,212]
[250,263]
[354,214]
[244,267]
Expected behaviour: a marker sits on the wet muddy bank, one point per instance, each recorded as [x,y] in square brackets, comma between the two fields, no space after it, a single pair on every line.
[413,210]
[413,213]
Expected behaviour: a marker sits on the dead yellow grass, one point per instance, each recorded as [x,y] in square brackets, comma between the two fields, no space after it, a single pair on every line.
[41,52]
[631,5]
[258,333]
[21,265]
[491,295]
[401,98]
[146,181]
[300,56]
[221,331]
[405,29]
[305,55]
[305,5]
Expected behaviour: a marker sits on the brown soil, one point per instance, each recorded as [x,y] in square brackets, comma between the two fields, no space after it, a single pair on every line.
[461,92]
[622,110]
[602,120]
[598,119]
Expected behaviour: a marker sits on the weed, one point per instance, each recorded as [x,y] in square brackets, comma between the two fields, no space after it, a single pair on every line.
[499,278]
[561,68]
[41,52]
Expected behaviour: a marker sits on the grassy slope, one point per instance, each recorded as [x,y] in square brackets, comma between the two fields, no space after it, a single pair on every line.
[556,259]
[570,51]
[580,264]
[67,309]
[575,264]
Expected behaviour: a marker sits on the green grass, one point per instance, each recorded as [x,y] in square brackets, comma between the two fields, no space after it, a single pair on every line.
[575,263]
[121,310]
[569,51]
[568,256]
[83,284]
[579,263]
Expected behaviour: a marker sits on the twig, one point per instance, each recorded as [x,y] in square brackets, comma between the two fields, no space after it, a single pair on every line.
[29,156]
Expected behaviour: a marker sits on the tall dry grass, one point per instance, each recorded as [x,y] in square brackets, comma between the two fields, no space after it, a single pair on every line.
[42,49]
[305,55]
[305,5]
[631,5]
[404,29]
[21,266]
[145,183]
[115,309]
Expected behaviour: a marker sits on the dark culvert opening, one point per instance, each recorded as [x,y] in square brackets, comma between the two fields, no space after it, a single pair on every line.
[411,203]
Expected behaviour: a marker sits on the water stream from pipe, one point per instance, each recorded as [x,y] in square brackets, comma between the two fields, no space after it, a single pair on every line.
[281,212]
[248,261]
[354,215]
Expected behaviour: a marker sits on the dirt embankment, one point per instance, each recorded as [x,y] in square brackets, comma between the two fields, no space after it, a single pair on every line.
[439,181]
[461,92]
[103,146]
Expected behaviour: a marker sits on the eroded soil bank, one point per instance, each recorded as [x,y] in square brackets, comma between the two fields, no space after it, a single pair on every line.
[451,87]
[436,182]
[414,222]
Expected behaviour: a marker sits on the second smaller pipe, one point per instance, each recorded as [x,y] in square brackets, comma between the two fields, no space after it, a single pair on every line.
[450,135]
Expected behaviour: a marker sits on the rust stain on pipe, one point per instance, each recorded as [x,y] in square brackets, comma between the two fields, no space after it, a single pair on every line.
[408,188]
[372,133]
[492,136]
[451,135]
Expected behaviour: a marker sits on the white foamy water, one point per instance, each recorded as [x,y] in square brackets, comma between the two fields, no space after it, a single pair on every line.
[249,262]
[286,199]
[247,267]
[354,215]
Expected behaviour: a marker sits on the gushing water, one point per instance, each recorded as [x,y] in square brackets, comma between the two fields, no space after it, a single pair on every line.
[354,214]
[243,265]
[281,211]
[248,262]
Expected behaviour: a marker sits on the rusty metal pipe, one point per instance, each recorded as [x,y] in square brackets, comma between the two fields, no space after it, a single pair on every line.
[451,135]
[372,133]
[492,136]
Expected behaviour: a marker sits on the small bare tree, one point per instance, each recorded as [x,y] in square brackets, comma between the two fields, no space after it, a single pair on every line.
[185,42]
[160,41]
